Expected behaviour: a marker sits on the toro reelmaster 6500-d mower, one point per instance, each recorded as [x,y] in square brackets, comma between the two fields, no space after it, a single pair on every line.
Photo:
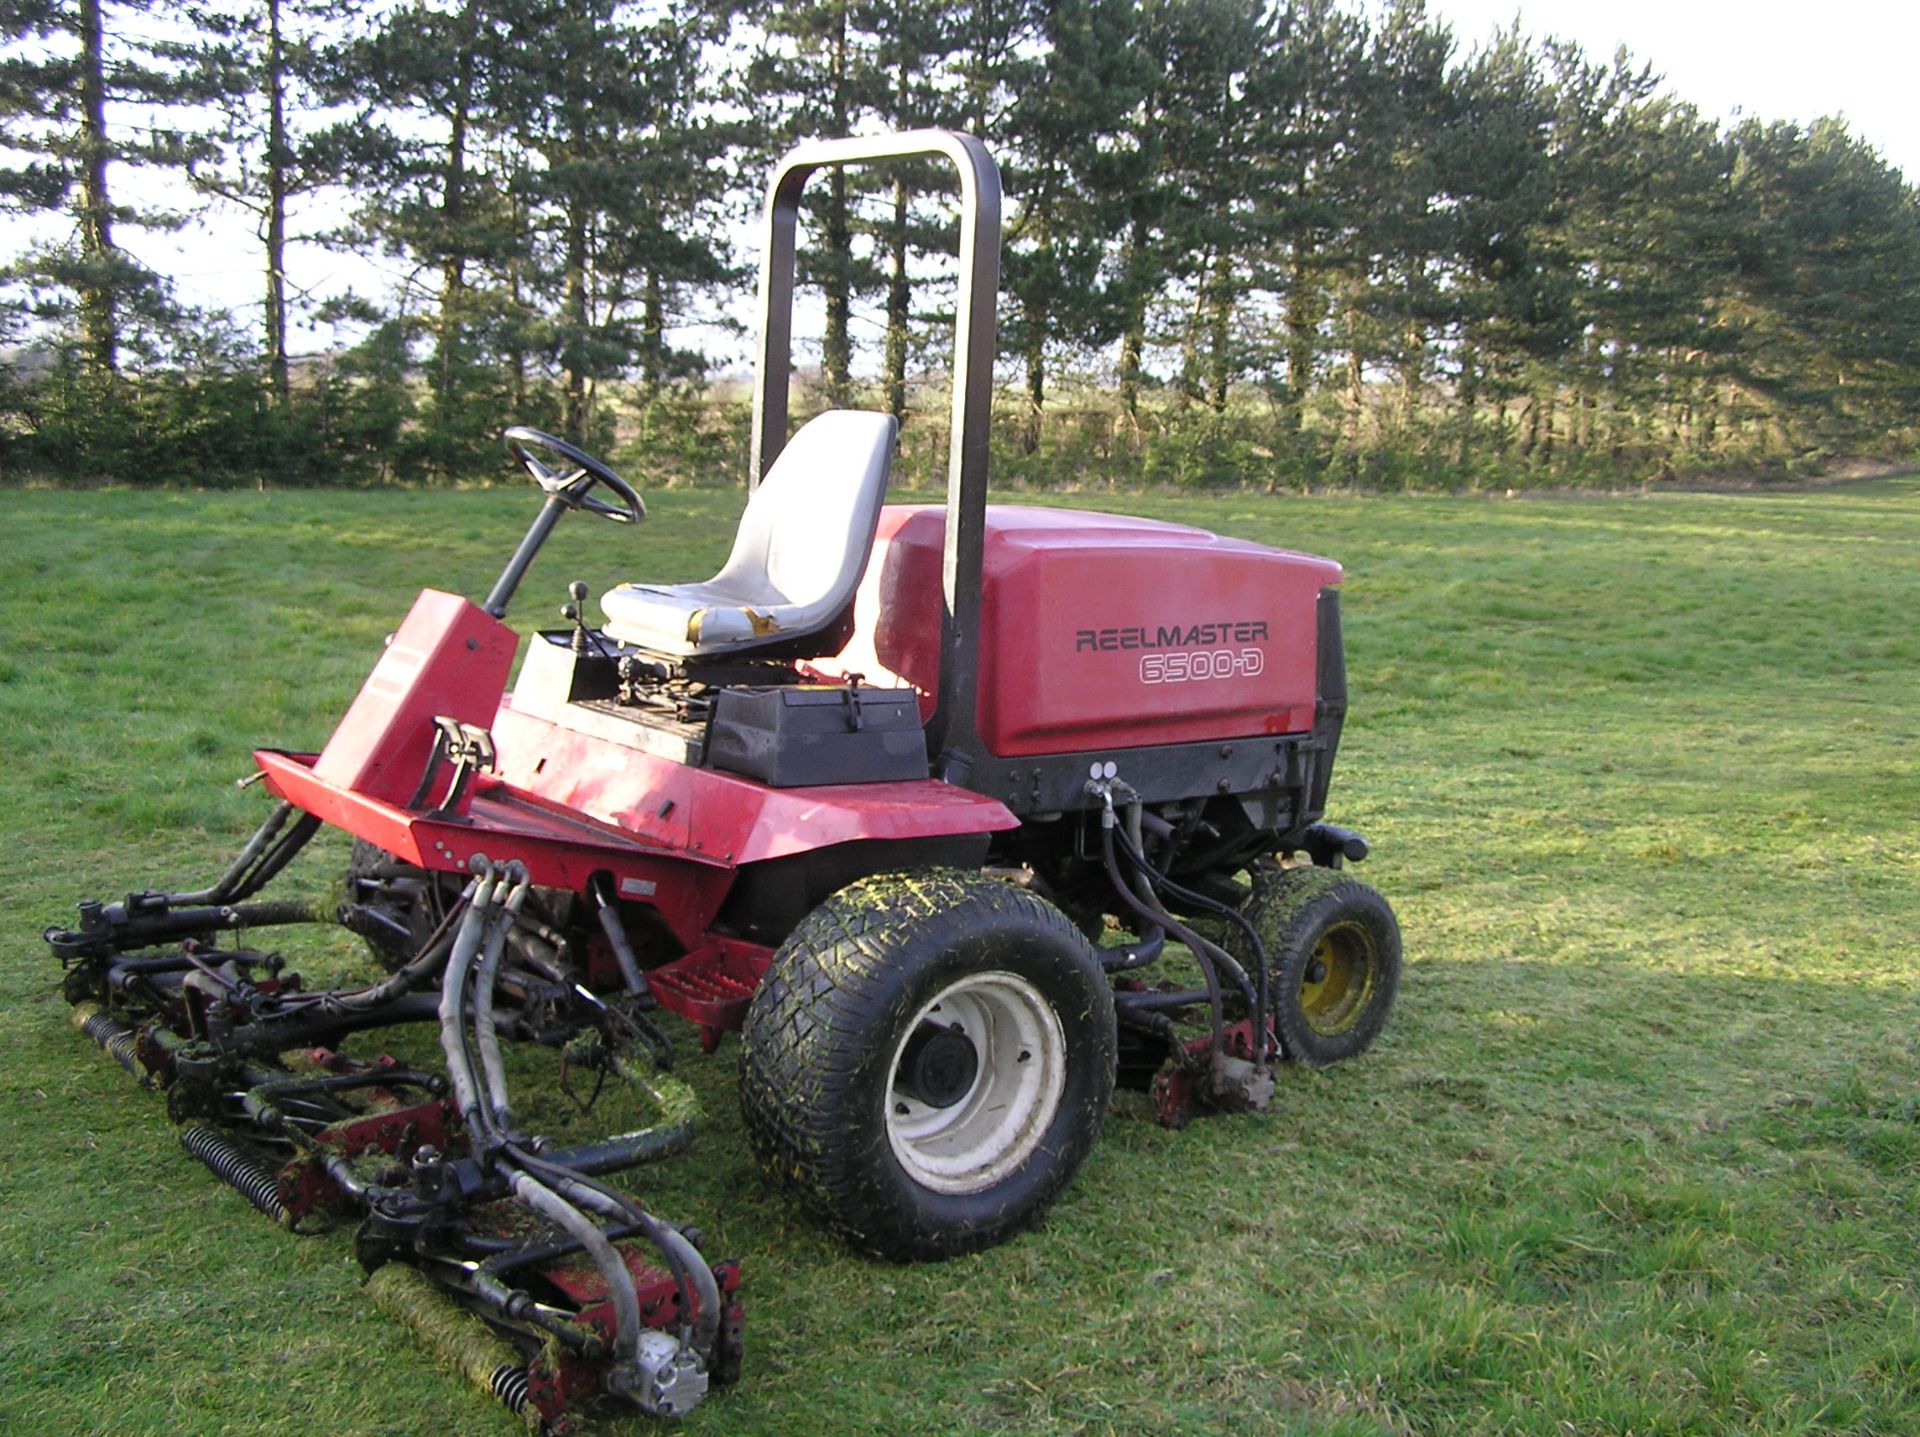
[862,795]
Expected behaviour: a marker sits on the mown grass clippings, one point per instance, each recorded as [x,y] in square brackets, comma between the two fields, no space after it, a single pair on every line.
[1636,1153]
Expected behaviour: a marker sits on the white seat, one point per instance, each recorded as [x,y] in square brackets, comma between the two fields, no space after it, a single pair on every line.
[797,557]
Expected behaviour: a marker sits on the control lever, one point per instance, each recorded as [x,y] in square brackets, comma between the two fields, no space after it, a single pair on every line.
[575,614]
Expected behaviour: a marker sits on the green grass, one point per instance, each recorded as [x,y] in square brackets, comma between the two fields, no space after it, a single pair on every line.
[1639,1152]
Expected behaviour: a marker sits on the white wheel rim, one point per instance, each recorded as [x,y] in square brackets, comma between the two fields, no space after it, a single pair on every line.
[978,1141]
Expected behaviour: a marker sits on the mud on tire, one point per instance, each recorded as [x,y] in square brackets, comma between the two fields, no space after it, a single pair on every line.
[928,1061]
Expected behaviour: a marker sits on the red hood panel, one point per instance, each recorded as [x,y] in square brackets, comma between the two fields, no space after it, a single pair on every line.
[1100,630]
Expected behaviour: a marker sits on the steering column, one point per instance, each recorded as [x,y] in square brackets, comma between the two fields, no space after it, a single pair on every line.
[566,487]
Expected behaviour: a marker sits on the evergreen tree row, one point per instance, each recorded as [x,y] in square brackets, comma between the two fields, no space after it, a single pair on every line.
[1291,244]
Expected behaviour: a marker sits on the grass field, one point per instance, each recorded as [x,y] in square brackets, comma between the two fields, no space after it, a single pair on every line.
[1639,1152]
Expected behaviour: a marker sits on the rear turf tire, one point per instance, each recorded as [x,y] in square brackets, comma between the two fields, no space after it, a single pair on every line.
[908,1149]
[1333,946]
[369,860]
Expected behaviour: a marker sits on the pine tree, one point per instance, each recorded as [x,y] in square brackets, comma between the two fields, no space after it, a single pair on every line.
[71,64]
[1192,130]
[277,62]
[431,169]
[1830,275]
[1308,189]
[1406,219]
[1511,289]
[1067,190]
[912,41]
[817,75]
[607,97]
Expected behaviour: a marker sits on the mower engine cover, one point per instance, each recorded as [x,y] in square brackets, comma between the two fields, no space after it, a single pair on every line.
[1100,631]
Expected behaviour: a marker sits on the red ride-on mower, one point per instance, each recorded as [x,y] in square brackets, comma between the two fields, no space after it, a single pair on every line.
[863,795]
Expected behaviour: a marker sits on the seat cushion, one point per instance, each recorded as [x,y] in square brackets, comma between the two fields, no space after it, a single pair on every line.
[797,557]
[687,618]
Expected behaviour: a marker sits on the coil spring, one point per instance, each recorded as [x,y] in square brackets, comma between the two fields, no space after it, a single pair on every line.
[509,1384]
[115,1039]
[233,1166]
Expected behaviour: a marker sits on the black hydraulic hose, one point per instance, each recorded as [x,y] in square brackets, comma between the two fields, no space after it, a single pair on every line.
[1262,996]
[630,1150]
[1227,962]
[417,970]
[1153,938]
[1153,1000]
[345,1082]
[1198,900]
[648,1224]
[223,888]
[1135,955]
[278,857]
[1215,1003]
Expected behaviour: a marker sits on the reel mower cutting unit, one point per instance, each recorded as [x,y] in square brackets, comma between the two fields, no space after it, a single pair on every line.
[873,796]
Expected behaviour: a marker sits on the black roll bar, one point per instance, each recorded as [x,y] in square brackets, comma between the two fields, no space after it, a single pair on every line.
[951,734]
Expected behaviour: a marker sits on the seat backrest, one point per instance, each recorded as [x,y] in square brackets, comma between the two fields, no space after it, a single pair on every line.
[807,531]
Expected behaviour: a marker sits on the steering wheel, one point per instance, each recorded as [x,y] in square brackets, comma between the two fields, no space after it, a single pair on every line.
[570,486]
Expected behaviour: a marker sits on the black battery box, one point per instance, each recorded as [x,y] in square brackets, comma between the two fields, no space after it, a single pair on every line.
[805,735]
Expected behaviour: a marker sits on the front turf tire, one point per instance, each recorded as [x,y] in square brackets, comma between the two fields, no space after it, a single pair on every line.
[928,1061]
[1333,947]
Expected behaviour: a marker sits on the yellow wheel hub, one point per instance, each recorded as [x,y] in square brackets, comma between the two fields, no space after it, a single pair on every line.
[1337,980]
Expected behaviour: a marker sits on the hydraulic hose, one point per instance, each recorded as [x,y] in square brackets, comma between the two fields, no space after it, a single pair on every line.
[1132,836]
[278,857]
[1134,955]
[706,1325]
[1215,1002]
[563,1214]
[1263,969]
[611,1201]
[1153,937]
[223,888]
[470,1040]
[453,992]
[304,1026]
[487,1038]
[1231,965]
[423,965]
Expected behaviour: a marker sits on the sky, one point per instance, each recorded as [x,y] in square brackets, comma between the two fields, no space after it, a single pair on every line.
[1766,58]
